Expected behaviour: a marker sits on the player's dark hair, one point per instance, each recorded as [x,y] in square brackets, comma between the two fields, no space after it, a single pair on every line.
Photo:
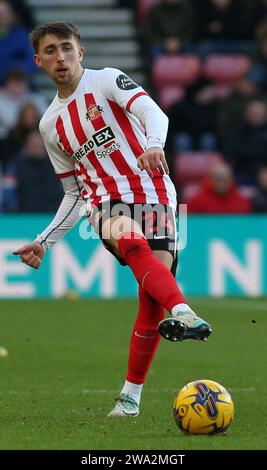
[60,29]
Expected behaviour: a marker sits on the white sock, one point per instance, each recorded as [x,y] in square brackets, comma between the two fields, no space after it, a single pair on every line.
[179,309]
[134,390]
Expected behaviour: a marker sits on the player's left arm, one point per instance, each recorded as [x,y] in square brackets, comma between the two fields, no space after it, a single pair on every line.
[155,123]
[134,99]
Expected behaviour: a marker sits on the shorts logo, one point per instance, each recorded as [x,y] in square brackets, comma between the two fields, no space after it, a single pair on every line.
[93,112]
[125,83]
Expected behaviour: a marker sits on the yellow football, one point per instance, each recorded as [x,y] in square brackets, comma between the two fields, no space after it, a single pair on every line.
[203,407]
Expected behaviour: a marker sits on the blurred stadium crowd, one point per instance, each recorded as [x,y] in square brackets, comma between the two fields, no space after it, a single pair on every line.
[206,65]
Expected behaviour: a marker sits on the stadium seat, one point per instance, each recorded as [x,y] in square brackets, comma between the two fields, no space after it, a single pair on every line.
[169,95]
[144,7]
[192,167]
[226,69]
[177,69]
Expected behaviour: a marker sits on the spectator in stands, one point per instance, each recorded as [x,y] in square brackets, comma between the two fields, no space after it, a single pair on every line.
[232,107]
[256,11]
[258,71]
[219,195]
[169,27]
[259,201]
[8,186]
[14,94]
[261,30]
[257,15]
[15,49]
[193,121]
[37,188]
[24,13]
[247,148]
[221,27]
[28,120]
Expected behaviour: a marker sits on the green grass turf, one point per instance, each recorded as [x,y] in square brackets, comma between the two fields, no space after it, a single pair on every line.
[67,361]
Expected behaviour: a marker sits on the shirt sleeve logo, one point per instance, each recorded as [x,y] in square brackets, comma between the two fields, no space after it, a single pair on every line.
[125,83]
[93,112]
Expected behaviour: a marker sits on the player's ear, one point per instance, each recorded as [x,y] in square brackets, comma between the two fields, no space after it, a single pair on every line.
[37,60]
[81,53]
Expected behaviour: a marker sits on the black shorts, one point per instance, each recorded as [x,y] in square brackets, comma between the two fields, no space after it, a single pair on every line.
[158,224]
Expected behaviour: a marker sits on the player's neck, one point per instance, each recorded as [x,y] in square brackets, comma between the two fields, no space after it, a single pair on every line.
[66,90]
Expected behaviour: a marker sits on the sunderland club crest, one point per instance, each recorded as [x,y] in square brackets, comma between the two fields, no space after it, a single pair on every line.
[93,112]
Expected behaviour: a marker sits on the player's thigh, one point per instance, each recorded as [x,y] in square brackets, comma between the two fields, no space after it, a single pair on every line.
[115,227]
[165,257]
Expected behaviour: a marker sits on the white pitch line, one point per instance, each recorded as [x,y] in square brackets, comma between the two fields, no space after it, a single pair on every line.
[247,304]
[104,392]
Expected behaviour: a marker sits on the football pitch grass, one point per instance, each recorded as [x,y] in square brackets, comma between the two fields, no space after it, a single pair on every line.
[67,361]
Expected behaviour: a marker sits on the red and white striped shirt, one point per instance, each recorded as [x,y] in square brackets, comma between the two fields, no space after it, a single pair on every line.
[98,133]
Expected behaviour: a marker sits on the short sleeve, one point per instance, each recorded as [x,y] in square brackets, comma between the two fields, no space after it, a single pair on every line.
[117,86]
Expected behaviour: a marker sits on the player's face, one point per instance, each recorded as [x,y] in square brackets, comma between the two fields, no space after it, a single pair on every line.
[60,58]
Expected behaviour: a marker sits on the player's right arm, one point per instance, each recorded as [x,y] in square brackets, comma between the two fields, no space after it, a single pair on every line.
[69,213]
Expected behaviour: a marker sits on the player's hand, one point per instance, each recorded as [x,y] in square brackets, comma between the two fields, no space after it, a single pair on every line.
[31,254]
[151,159]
